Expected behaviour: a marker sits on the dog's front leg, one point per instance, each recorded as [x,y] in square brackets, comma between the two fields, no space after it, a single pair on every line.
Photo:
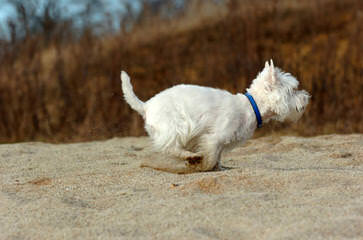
[212,151]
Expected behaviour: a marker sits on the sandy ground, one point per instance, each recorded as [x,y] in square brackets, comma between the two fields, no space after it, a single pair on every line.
[275,188]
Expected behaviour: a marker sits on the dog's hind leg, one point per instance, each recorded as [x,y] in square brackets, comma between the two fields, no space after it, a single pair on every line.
[179,151]
[184,154]
[176,160]
[172,164]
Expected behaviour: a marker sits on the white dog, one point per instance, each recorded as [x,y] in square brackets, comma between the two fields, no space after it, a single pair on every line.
[194,124]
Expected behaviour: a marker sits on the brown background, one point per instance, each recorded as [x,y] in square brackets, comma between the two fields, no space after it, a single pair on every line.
[56,90]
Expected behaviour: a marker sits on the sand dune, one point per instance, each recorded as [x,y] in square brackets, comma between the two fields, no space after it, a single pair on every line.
[273,188]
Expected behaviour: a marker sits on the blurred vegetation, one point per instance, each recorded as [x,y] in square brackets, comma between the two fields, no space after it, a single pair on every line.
[59,83]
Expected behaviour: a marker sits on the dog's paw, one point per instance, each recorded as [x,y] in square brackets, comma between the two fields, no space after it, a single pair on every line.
[194,160]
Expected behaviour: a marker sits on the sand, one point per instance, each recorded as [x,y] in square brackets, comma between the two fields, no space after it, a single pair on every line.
[273,188]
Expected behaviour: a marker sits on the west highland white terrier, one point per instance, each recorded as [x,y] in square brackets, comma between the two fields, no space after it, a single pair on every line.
[193,125]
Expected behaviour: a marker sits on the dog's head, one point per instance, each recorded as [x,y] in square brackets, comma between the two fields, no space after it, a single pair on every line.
[278,92]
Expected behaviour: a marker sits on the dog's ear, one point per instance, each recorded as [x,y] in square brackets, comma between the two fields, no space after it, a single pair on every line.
[268,74]
[266,65]
[271,72]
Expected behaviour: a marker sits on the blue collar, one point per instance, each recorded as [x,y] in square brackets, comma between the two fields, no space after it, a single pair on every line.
[255,109]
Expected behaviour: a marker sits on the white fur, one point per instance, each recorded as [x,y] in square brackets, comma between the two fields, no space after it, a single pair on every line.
[195,124]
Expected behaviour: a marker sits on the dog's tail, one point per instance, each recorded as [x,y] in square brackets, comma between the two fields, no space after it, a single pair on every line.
[129,95]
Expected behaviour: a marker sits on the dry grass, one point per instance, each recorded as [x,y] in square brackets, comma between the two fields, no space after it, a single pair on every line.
[57,91]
